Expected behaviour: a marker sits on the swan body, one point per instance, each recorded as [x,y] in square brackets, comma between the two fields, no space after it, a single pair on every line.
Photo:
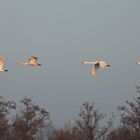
[96,65]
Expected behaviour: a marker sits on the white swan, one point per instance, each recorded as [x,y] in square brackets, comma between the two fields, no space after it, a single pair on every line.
[2,61]
[96,65]
[32,62]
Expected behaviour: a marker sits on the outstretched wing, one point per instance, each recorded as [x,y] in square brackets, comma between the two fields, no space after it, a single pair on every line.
[2,60]
[94,69]
[34,57]
[1,65]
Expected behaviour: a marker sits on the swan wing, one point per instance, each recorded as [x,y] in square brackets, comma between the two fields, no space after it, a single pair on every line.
[94,69]
[34,57]
[1,65]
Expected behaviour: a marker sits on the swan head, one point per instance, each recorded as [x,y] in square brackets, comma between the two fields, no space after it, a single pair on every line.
[84,62]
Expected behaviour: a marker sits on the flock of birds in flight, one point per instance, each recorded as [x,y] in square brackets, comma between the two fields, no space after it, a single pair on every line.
[33,61]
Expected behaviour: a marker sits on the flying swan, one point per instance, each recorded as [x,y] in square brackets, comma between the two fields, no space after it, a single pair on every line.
[32,62]
[96,65]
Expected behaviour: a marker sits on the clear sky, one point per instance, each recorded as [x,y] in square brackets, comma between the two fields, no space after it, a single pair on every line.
[62,34]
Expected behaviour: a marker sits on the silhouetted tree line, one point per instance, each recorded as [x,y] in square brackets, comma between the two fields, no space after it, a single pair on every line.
[31,122]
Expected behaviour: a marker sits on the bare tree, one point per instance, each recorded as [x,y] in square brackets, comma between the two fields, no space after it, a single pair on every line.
[5,108]
[130,115]
[120,133]
[88,123]
[67,133]
[46,132]
[30,119]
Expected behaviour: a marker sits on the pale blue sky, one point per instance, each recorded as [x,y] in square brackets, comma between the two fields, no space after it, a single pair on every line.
[62,34]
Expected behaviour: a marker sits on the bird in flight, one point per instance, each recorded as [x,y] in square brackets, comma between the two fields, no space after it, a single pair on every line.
[33,61]
[2,61]
[96,65]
